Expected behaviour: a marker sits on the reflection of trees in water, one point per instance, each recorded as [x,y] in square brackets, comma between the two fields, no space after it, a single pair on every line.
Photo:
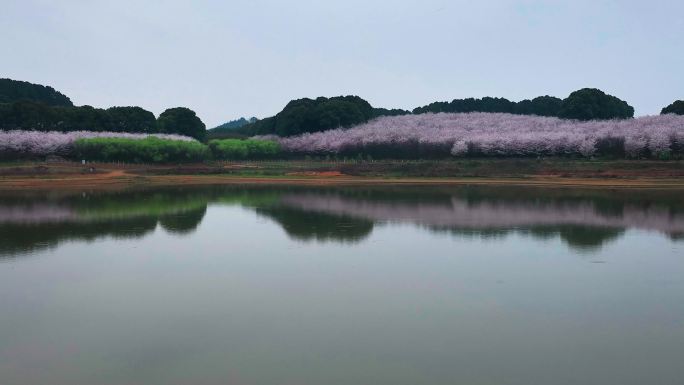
[313,226]
[36,223]
[585,220]
[183,223]
[31,237]
[584,223]
[588,238]
[580,238]
[28,238]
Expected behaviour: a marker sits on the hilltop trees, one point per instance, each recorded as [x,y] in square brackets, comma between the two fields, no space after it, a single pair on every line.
[594,104]
[31,116]
[33,107]
[182,121]
[540,106]
[675,108]
[132,119]
[584,104]
[28,115]
[486,104]
[314,115]
[378,112]
[14,90]
[321,114]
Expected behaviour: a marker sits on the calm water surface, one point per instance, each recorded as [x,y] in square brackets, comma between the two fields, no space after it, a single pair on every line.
[354,285]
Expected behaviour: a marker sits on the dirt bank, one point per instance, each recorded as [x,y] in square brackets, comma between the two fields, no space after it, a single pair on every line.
[95,177]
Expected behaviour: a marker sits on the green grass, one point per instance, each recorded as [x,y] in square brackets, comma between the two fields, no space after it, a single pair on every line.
[148,150]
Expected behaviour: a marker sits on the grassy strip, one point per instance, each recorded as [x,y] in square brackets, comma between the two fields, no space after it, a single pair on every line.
[151,149]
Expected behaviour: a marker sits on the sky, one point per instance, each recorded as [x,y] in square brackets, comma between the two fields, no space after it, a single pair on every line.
[233,58]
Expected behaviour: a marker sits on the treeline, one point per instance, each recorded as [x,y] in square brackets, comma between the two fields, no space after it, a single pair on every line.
[322,114]
[26,106]
[15,90]
[32,116]
[584,104]
[306,115]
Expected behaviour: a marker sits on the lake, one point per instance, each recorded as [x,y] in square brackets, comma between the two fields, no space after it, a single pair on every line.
[342,285]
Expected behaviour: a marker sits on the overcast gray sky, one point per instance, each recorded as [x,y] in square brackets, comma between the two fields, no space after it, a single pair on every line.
[226,59]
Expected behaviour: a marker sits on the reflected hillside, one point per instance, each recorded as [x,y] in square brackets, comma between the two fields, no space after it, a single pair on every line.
[585,220]
[306,225]
[29,224]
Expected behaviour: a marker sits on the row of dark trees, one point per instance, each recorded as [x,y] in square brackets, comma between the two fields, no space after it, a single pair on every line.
[321,114]
[313,115]
[34,107]
[28,115]
[584,104]
[309,115]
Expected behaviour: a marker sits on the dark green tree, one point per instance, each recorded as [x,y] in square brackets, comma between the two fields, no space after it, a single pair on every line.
[313,115]
[594,104]
[675,108]
[540,106]
[15,90]
[377,112]
[132,119]
[433,107]
[182,121]
[486,104]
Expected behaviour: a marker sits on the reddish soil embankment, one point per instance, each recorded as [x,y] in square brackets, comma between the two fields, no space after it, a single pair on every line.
[109,176]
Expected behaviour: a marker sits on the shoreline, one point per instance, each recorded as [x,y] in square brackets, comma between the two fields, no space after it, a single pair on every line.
[124,181]
[99,176]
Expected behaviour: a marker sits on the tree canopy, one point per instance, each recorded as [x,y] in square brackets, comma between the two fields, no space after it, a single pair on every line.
[540,106]
[132,119]
[15,90]
[486,104]
[594,104]
[313,115]
[377,112]
[675,108]
[182,121]
[584,104]
[27,115]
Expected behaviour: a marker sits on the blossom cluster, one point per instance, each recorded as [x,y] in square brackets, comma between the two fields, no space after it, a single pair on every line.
[497,134]
[36,143]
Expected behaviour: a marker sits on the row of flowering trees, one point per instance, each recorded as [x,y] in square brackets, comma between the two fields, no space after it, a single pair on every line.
[423,136]
[497,134]
[128,147]
[20,143]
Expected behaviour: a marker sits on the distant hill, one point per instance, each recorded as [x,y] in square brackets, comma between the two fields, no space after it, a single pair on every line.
[232,125]
[16,90]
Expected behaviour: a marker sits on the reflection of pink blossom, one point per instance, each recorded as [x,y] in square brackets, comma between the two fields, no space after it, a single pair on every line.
[59,143]
[490,214]
[35,213]
[497,134]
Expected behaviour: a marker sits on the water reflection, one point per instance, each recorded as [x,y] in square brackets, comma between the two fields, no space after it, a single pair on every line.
[585,220]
